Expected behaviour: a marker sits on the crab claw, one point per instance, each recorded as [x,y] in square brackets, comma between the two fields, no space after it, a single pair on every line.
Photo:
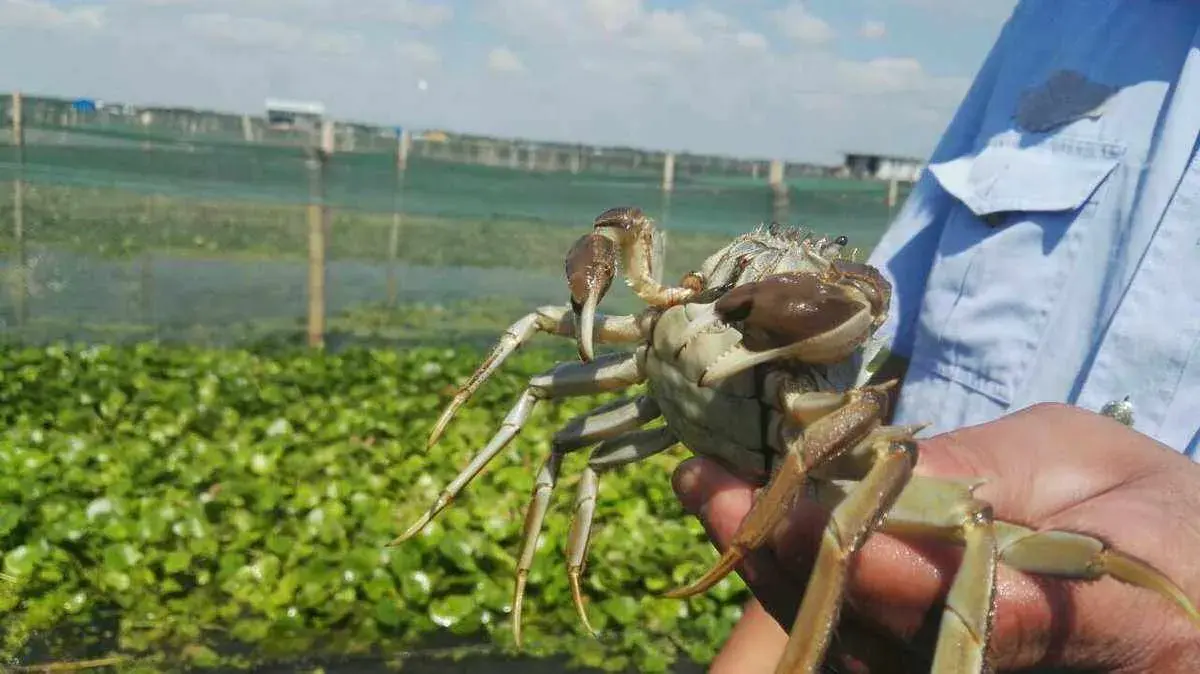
[809,317]
[591,265]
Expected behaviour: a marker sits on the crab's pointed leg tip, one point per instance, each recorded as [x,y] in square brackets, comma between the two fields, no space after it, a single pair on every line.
[412,530]
[577,598]
[439,429]
[518,603]
[716,574]
[516,631]
[681,593]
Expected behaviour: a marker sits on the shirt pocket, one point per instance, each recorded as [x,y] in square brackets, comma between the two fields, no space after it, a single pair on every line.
[1006,250]
[1181,424]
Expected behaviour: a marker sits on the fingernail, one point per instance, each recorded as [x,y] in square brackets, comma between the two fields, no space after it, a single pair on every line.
[686,485]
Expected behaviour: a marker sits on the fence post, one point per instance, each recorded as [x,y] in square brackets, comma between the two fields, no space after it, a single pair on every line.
[403,140]
[893,194]
[146,270]
[668,176]
[318,164]
[20,263]
[780,197]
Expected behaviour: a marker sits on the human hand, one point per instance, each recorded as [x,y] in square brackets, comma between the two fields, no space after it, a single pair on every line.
[1049,466]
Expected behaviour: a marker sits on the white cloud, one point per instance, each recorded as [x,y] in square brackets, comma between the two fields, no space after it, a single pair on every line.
[503,60]
[613,15]
[711,18]
[669,31]
[252,32]
[696,78]
[418,52]
[751,40]
[244,31]
[977,9]
[419,14]
[796,22]
[42,14]
[722,76]
[883,76]
[410,13]
[872,30]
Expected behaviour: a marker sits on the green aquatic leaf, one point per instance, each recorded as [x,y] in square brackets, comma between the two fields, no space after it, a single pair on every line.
[224,508]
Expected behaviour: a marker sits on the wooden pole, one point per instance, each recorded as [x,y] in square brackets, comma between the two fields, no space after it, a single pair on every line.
[146,277]
[403,142]
[780,197]
[775,176]
[668,177]
[20,263]
[664,210]
[893,193]
[317,218]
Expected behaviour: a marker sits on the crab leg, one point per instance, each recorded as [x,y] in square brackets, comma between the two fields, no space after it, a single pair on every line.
[552,320]
[823,441]
[607,421]
[941,509]
[614,453]
[612,419]
[547,479]
[849,526]
[967,617]
[611,372]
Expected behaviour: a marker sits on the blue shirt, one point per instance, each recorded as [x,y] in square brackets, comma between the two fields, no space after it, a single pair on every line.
[1051,249]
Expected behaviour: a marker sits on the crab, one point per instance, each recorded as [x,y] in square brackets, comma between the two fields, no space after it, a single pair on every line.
[751,361]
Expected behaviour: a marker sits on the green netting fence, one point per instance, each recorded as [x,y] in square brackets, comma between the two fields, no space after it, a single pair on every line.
[144,231]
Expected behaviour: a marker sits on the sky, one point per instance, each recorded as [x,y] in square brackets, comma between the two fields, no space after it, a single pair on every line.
[800,81]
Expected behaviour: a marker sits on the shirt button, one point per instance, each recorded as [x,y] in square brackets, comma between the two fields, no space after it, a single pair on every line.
[994,219]
[1121,410]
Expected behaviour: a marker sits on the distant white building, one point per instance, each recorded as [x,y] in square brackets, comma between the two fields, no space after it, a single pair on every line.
[883,167]
[283,114]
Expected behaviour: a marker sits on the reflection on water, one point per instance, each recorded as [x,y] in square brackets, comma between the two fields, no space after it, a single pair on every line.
[174,294]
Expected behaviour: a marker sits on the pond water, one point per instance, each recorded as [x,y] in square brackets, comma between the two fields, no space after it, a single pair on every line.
[197,299]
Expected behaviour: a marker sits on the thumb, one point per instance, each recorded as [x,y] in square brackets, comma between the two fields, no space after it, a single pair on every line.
[721,501]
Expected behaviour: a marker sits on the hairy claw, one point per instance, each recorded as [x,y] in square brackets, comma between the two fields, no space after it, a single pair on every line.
[591,265]
[786,309]
[627,235]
